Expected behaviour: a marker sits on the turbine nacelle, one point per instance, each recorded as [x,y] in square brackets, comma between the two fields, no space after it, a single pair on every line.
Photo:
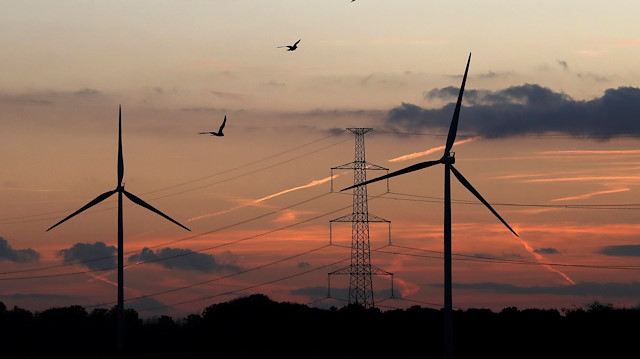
[449,158]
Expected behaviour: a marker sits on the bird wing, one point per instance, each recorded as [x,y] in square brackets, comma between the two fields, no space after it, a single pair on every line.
[224,122]
[297,42]
[206,133]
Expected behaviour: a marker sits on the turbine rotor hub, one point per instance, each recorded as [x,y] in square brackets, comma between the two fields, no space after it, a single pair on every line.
[449,158]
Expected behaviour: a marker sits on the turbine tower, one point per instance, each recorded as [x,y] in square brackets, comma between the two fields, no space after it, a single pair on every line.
[448,159]
[360,270]
[120,190]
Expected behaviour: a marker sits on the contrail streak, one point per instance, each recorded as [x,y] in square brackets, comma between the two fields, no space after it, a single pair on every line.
[310,184]
[102,277]
[431,150]
[589,195]
[254,202]
[542,261]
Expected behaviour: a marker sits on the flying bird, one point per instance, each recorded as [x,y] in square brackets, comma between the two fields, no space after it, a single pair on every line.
[292,47]
[219,133]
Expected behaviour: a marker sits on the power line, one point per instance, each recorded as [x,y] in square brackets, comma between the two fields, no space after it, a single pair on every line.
[435,199]
[180,240]
[252,163]
[259,284]
[487,259]
[175,241]
[192,285]
[546,136]
[16,220]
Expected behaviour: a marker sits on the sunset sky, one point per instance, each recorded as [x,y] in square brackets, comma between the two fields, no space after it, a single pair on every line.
[548,134]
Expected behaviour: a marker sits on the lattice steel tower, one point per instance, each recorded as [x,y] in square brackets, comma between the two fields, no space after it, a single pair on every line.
[360,270]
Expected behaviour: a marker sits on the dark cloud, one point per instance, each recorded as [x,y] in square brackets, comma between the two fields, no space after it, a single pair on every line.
[184,259]
[86,92]
[227,95]
[547,251]
[382,80]
[593,77]
[526,109]
[203,109]
[502,256]
[493,75]
[564,65]
[631,250]
[93,256]
[44,97]
[25,99]
[274,83]
[304,265]
[581,289]
[17,255]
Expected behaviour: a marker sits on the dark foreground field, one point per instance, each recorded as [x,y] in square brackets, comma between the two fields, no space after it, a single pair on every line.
[256,327]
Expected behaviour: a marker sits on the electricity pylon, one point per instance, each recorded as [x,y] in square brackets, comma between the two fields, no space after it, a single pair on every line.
[360,270]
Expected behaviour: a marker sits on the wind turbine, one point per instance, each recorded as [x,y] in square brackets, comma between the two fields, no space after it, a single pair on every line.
[120,190]
[448,159]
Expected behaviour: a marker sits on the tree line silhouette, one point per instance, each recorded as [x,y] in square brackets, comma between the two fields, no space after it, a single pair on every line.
[256,326]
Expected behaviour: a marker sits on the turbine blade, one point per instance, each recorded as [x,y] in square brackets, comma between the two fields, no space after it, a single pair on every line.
[453,128]
[95,201]
[417,166]
[146,205]
[475,193]
[120,159]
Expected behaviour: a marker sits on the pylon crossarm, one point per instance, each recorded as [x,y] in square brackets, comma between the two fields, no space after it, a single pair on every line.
[345,270]
[379,271]
[374,218]
[346,218]
[371,166]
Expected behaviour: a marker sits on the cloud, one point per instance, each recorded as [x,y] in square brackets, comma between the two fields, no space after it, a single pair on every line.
[501,256]
[580,289]
[93,256]
[563,64]
[526,109]
[184,259]
[46,97]
[494,75]
[203,109]
[227,95]
[17,255]
[631,250]
[276,84]
[547,251]
[86,92]
[593,77]
[25,99]
[304,265]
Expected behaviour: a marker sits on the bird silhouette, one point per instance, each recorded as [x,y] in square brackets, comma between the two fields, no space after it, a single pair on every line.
[292,47]
[219,133]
